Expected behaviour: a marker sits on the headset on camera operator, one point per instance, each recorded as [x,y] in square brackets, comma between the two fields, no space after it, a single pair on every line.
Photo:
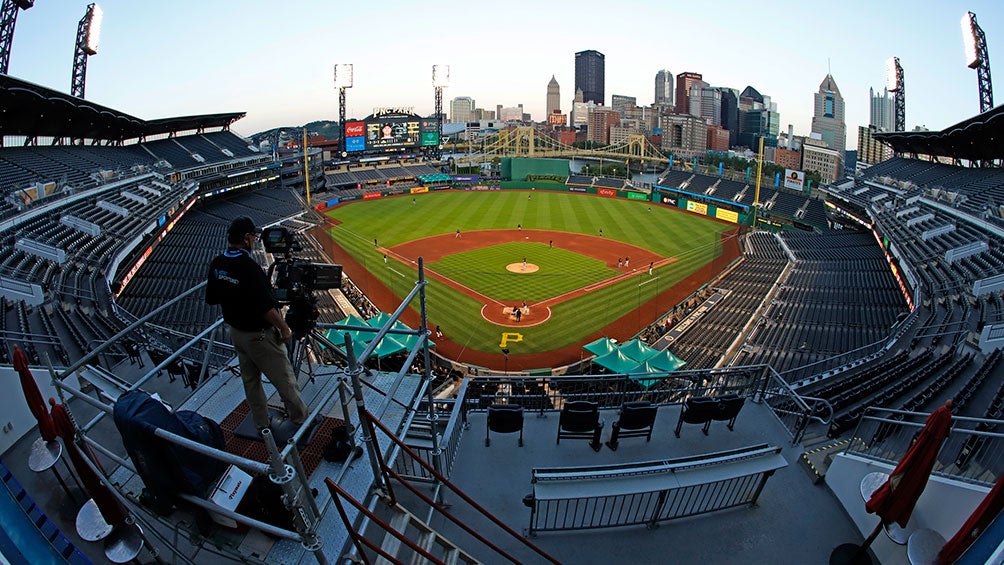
[259,333]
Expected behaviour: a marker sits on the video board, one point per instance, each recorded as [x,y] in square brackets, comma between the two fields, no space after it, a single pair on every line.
[392,132]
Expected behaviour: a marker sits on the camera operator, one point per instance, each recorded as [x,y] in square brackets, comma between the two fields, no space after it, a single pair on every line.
[257,329]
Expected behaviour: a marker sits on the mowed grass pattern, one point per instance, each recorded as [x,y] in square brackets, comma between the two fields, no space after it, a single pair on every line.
[692,240]
[484,270]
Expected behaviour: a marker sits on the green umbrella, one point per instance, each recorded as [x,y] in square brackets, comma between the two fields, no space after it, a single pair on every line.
[601,346]
[616,361]
[665,361]
[637,350]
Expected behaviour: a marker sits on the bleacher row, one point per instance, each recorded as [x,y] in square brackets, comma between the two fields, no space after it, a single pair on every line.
[360,180]
[77,311]
[982,189]
[75,166]
[703,345]
[780,202]
[180,261]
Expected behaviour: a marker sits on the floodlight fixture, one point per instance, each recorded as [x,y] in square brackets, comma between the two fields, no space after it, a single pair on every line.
[8,21]
[440,76]
[891,74]
[94,16]
[969,40]
[343,75]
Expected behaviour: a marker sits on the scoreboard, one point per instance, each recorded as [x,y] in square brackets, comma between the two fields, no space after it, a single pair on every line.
[389,130]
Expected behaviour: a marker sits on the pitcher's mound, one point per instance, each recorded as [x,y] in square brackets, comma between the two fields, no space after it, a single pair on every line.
[519,268]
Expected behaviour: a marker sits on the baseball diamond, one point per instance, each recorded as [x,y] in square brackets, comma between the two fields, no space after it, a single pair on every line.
[586,285]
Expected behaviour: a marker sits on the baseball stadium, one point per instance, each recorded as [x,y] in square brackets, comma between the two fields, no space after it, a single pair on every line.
[506,357]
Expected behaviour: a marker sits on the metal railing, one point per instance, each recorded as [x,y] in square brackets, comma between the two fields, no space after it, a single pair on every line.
[973,451]
[456,425]
[606,499]
[759,382]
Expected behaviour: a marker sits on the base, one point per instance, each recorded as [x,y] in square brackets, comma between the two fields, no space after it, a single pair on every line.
[850,554]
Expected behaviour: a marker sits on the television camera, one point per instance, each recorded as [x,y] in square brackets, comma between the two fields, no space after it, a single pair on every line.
[295,280]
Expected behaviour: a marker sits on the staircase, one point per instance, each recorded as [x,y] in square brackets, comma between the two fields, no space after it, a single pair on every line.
[408,526]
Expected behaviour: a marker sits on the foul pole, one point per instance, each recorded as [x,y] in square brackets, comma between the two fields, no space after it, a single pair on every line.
[306,165]
[759,175]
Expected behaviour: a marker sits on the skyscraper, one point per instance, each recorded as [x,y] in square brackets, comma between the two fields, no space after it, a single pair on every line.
[828,115]
[664,88]
[683,83]
[623,105]
[883,110]
[589,75]
[706,102]
[730,113]
[553,98]
[462,110]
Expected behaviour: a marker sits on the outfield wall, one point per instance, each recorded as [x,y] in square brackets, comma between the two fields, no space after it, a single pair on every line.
[518,169]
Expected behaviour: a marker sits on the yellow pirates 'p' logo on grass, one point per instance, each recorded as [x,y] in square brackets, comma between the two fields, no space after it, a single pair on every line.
[510,337]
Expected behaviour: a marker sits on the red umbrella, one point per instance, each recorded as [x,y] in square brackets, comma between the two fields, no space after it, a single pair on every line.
[975,525]
[33,396]
[110,509]
[895,499]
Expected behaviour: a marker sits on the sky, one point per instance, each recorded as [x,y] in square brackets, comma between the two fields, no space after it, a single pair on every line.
[274,60]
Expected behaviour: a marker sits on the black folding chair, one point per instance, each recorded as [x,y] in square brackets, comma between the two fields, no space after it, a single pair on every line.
[581,420]
[636,420]
[697,410]
[504,419]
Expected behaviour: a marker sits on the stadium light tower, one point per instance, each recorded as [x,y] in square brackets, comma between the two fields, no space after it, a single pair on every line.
[343,81]
[977,58]
[88,37]
[440,80]
[8,19]
[894,83]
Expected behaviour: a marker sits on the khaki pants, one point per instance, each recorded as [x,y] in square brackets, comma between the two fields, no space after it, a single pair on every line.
[262,352]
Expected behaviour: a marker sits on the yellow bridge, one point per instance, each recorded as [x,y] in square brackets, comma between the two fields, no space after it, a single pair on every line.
[528,142]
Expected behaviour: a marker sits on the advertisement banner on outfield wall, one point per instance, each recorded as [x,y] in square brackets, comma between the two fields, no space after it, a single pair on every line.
[577,189]
[607,192]
[372,195]
[482,188]
[637,196]
[466,178]
[668,200]
[697,207]
[419,190]
[727,215]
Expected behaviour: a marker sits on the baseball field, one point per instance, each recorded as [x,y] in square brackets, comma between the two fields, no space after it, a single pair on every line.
[574,266]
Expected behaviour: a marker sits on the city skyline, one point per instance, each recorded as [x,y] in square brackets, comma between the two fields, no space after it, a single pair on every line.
[170,59]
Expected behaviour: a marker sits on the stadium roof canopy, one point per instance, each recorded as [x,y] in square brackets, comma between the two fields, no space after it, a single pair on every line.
[36,111]
[980,138]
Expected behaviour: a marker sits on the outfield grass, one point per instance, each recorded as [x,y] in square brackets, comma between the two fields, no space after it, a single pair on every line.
[692,240]
[484,270]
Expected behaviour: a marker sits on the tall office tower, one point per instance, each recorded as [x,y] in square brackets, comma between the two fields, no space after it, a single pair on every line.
[664,89]
[883,110]
[683,83]
[730,113]
[750,99]
[623,105]
[462,110]
[553,99]
[600,121]
[589,75]
[706,102]
[828,115]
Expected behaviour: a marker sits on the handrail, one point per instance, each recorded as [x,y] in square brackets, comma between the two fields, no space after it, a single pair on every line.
[337,493]
[370,418]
